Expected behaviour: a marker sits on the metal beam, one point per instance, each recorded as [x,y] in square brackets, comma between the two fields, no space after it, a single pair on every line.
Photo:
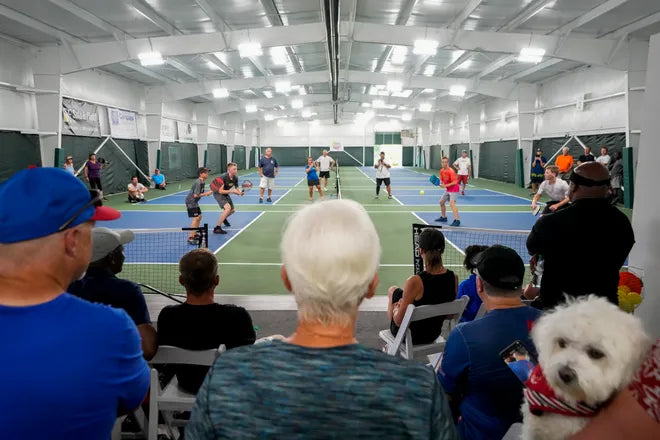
[634,26]
[147,72]
[87,16]
[531,10]
[182,68]
[457,63]
[496,65]
[17,42]
[534,69]
[150,14]
[465,13]
[596,12]
[401,20]
[40,26]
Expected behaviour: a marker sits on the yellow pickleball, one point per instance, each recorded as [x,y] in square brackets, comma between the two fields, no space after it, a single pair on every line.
[421,193]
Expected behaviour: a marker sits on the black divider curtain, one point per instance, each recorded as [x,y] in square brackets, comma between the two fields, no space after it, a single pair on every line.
[119,170]
[615,142]
[17,151]
[497,161]
[238,156]
[289,156]
[408,156]
[436,157]
[178,160]
[369,156]
[455,151]
[216,158]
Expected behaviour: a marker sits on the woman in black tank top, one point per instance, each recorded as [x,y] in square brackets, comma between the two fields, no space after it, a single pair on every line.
[435,285]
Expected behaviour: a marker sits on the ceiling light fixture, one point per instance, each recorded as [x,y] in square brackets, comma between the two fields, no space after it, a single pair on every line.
[425,107]
[279,55]
[378,103]
[283,87]
[457,90]
[425,47]
[297,104]
[394,85]
[531,55]
[269,117]
[306,113]
[429,70]
[268,94]
[151,58]
[399,55]
[246,50]
[251,108]
[406,117]
[220,93]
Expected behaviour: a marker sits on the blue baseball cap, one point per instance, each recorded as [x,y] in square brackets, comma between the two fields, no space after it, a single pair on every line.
[38,202]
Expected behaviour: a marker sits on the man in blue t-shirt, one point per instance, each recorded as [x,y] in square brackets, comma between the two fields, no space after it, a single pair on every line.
[482,388]
[268,169]
[69,366]
[158,179]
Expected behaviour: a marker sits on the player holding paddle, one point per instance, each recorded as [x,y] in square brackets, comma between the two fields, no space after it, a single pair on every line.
[313,178]
[223,187]
[449,182]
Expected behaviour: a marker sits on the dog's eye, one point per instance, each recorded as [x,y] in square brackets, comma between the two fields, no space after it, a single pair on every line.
[561,342]
[594,353]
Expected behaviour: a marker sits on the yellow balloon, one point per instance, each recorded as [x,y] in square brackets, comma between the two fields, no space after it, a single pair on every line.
[421,193]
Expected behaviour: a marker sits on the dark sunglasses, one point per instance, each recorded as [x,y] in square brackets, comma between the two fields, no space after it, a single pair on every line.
[96,200]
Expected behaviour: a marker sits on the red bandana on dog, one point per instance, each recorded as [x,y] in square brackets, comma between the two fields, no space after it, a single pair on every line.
[541,398]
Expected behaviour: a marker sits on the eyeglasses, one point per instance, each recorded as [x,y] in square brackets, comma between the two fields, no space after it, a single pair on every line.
[96,200]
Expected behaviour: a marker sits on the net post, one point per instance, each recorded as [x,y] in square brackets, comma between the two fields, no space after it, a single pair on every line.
[205,236]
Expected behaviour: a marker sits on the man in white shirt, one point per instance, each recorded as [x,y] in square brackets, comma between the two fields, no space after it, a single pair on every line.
[604,158]
[463,166]
[136,191]
[383,174]
[325,162]
[556,189]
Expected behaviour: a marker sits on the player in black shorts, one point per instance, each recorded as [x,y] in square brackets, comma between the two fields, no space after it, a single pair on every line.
[192,202]
[222,188]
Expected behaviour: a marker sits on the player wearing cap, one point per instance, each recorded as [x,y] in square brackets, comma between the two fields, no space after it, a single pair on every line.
[268,169]
[101,285]
[383,174]
[158,179]
[223,187]
[449,182]
[69,366]
[68,166]
[192,202]
[486,393]
[464,167]
[434,285]
[325,162]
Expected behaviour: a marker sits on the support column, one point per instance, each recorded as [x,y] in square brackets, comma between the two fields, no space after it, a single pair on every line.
[154,116]
[202,122]
[49,116]
[474,136]
[526,116]
[645,255]
[446,122]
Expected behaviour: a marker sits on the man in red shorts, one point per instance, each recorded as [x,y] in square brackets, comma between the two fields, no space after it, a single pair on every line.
[463,166]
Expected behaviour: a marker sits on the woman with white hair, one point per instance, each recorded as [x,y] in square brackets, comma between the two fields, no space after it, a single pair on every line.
[319,382]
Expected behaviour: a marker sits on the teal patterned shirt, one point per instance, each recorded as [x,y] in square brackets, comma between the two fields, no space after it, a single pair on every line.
[277,390]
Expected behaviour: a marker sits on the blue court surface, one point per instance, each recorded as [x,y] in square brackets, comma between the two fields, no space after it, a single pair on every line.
[520,221]
[168,247]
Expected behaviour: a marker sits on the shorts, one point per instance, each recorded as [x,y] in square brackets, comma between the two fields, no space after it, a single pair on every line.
[449,196]
[313,182]
[379,182]
[194,212]
[267,182]
[462,178]
[537,178]
[223,199]
[325,174]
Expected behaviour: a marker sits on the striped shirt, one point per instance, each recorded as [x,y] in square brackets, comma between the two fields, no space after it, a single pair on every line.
[285,391]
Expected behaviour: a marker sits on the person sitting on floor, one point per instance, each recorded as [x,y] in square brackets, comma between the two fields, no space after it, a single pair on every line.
[101,285]
[136,191]
[320,383]
[158,179]
[200,323]
[482,389]
[435,285]
[468,287]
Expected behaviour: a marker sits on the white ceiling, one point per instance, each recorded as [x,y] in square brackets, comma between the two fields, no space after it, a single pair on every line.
[49,22]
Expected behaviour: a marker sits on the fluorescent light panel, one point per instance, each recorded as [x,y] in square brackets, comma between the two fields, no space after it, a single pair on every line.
[246,50]
[306,113]
[457,90]
[269,117]
[425,47]
[394,85]
[425,107]
[429,70]
[279,55]
[398,55]
[151,58]
[378,103]
[283,87]
[531,55]
[251,108]
[297,103]
[220,93]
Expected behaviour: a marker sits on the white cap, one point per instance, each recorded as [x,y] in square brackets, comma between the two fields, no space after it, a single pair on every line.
[105,240]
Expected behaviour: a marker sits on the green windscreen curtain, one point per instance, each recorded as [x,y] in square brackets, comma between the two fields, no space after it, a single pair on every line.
[455,151]
[290,156]
[368,156]
[253,154]
[217,158]
[351,156]
[436,157]
[179,160]
[615,142]
[238,156]
[388,138]
[407,156]
[497,161]
[17,151]
[116,175]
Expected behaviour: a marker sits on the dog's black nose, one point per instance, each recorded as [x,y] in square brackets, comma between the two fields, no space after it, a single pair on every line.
[567,374]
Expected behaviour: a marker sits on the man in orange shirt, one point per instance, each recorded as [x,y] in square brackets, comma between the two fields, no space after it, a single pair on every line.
[565,163]
[449,181]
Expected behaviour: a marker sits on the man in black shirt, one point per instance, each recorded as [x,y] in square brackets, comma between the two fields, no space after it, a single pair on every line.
[586,157]
[576,263]
[223,187]
[199,323]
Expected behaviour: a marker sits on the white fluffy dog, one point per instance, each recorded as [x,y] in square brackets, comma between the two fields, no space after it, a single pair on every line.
[588,350]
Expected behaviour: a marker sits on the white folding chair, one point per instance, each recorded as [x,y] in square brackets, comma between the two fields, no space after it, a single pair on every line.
[402,343]
[481,312]
[171,398]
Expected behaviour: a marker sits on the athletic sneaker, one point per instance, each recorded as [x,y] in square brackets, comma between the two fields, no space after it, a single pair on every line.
[376,197]
[261,200]
[389,197]
[441,219]
[455,223]
[462,193]
[226,223]
[219,230]
[268,199]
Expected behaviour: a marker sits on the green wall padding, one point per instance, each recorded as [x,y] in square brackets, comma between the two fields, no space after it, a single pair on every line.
[436,157]
[206,157]
[471,162]
[179,161]
[455,151]
[158,158]
[368,156]
[628,178]
[17,151]
[497,161]
[520,176]
[615,142]
[116,175]
[387,138]
[290,156]
[217,161]
[253,154]
[408,156]
[59,159]
[238,156]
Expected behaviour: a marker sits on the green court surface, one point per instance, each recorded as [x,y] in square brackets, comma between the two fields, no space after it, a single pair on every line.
[250,257]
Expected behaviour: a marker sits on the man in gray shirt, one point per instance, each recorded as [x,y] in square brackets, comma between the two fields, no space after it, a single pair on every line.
[555,188]
[192,202]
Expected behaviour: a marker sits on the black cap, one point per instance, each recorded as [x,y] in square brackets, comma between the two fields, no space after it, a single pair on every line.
[201,170]
[432,239]
[501,267]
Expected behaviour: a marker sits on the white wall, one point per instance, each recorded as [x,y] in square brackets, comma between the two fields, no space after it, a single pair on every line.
[492,127]
[303,133]
[17,110]
[104,88]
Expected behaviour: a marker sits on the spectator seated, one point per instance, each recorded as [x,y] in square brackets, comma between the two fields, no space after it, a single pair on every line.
[468,287]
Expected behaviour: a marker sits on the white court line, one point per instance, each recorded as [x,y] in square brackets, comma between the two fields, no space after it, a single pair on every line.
[166,195]
[447,240]
[238,233]
[506,194]
[282,196]
[367,176]
[398,201]
[304,204]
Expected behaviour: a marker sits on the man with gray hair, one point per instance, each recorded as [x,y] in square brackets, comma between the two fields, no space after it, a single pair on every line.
[482,389]
[320,381]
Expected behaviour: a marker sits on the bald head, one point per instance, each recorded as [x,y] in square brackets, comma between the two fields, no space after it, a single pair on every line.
[591,182]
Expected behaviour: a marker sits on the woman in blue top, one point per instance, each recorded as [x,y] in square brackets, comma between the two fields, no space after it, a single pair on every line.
[313,178]
[468,287]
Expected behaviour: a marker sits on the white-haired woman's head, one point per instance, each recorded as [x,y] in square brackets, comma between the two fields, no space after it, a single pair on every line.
[330,256]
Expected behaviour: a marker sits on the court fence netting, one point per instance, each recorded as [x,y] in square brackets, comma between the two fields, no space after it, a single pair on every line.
[457,239]
[152,258]
[337,180]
